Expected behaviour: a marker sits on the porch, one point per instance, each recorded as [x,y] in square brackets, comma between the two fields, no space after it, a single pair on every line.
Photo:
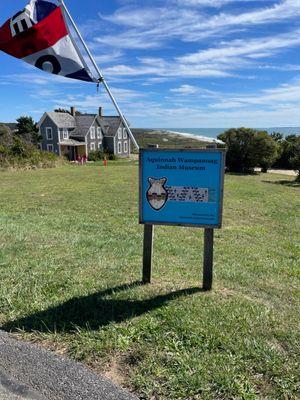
[72,149]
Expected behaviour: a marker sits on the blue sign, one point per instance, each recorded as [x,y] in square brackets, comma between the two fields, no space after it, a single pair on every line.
[182,187]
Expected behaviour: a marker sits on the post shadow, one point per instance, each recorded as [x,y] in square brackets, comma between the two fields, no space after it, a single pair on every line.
[93,311]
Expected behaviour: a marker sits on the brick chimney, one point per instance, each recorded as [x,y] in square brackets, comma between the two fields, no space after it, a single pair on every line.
[73,111]
[100,113]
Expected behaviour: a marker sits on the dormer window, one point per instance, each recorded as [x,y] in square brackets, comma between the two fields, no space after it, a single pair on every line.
[124,133]
[92,132]
[98,133]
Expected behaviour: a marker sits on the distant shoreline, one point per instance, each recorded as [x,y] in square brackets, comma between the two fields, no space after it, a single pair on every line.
[196,137]
[213,133]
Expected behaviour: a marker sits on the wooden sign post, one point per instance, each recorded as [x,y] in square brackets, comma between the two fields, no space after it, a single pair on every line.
[147,253]
[182,188]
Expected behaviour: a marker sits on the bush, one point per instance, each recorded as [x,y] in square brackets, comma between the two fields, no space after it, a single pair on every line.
[22,155]
[96,155]
[112,157]
[248,148]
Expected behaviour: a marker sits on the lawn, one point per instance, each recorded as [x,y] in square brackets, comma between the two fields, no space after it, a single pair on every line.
[70,266]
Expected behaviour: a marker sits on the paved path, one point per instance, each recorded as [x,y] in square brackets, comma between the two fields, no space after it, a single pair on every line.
[28,372]
[10,389]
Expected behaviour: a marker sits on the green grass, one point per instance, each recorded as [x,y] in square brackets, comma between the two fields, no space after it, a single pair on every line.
[165,139]
[70,262]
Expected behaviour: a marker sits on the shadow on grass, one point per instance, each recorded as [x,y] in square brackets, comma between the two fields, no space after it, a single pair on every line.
[93,311]
[285,183]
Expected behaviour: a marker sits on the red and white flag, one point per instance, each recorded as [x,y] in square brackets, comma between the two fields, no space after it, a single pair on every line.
[40,36]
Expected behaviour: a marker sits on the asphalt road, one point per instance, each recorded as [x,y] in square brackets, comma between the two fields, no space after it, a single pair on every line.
[31,373]
[10,389]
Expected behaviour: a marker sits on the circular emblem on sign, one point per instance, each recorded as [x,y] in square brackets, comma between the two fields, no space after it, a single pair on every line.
[48,63]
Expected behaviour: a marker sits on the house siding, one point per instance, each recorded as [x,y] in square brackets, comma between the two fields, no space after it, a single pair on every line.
[122,141]
[48,123]
[96,140]
[61,133]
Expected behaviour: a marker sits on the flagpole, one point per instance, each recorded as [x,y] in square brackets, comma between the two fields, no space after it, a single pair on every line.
[101,78]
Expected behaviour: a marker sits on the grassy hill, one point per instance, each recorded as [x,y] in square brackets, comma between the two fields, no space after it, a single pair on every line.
[165,139]
[70,265]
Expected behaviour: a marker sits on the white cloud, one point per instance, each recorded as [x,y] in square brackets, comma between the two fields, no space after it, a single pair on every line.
[152,27]
[211,3]
[185,89]
[284,96]
[250,48]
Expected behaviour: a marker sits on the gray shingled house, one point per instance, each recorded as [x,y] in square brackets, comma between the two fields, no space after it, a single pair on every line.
[74,135]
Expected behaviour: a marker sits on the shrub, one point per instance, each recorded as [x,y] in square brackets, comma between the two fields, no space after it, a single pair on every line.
[96,155]
[112,157]
[22,155]
[248,148]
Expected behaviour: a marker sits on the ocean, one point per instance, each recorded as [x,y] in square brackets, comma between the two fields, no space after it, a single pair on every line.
[214,132]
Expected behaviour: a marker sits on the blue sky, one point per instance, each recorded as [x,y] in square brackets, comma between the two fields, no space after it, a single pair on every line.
[173,63]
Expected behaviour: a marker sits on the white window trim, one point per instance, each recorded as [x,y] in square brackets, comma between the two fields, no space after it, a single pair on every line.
[119,147]
[50,148]
[92,133]
[47,133]
[98,132]
[99,145]
[65,134]
[120,133]
[125,133]
[126,147]
[92,146]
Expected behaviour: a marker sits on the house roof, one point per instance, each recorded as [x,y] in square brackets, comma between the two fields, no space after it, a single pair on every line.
[109,125]
[72,142]
[62,120]
[81,123]
[85,120]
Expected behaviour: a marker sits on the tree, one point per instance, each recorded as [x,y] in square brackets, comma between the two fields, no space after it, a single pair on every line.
[295,158]
[62,110]
[5,136]
[277,137]
[5,141]
[248,148]
[28,130]
[286,152]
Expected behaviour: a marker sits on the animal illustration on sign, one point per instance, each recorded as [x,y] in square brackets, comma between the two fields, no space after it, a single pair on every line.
[157,194]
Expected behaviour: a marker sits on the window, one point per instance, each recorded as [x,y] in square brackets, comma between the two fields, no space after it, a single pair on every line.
[92,132]
[98,133]
[49,133]
[92,147]
[124,133]
[99,145]
[120,133]
[50,147]
[125,147]
[65,134]
[119,147]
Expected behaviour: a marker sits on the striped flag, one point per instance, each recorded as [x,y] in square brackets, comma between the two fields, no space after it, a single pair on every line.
[40,36]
